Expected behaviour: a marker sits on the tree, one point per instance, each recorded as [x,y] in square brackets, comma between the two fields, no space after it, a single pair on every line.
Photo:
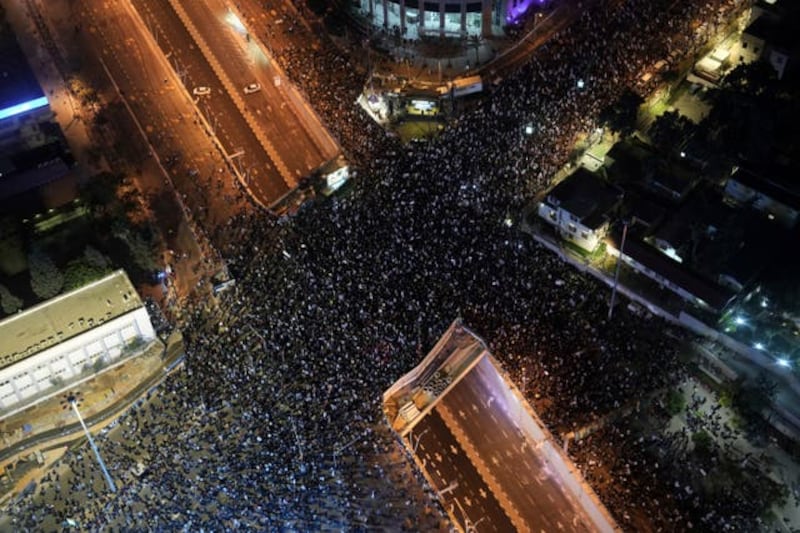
[702,442]
[621,116]
[99,364]
[95,258]
[46,279]
[675,402]
[79,272]
[9,302]
[756,78]
[671,131]
[101,192]
[142,251]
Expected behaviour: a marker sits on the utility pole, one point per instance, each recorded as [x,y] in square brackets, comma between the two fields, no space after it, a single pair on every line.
[616,272]
[72,401]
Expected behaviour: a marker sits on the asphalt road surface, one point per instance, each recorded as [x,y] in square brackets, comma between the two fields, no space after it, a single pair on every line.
[526,479]
[289,124]
[455,477]
[219,109]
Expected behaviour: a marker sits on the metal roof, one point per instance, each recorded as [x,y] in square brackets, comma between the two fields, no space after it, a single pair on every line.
[65,316]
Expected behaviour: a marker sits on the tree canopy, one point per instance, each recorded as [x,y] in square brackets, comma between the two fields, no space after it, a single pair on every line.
[621,116]
[9,303]
[46,279]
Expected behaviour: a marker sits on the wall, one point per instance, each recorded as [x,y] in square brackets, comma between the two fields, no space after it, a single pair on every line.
[23,381]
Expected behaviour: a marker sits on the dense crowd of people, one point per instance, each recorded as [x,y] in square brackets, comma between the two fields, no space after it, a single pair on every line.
[719,487]
[275,422]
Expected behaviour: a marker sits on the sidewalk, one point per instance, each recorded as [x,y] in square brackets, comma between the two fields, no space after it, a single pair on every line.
[70,114]
[773,462]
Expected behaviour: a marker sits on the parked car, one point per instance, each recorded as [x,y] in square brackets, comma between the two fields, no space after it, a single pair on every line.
[252,88]
[201,91]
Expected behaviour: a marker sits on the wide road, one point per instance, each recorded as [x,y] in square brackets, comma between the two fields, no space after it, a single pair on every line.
[277,110]
[455,478]
[236,138]
[490,425]
[112,32]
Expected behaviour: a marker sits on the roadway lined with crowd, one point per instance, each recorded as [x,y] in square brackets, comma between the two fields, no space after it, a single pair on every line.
[276,424]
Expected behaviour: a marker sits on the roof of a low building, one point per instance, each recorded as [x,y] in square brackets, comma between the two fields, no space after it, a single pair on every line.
[587,196]
[714,295]
[642,210]
[703,210]
[17,82]
[778,33]
[65,316]
[777,187]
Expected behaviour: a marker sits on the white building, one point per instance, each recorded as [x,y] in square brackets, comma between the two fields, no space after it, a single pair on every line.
[579,208]
[73,336]
[446,18]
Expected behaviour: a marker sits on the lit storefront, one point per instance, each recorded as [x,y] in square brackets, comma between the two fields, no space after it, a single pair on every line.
[445,18]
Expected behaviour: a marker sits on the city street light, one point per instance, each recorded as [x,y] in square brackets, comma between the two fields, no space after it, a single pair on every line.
[419,438]
[71,400]
[740,321]
[784,363]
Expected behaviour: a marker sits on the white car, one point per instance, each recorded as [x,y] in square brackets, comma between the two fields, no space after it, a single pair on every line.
[201,91]
[252,88]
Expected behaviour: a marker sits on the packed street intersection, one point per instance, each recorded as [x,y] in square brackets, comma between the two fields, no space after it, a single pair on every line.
[275,423]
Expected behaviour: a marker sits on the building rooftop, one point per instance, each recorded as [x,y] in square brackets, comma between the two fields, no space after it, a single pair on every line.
[641,210]
[65,316]
[779,187]
[624,160]
[587,196]
[702,217]
[21,172]
[714,295]
[778,33]
[633,162]
[18,85]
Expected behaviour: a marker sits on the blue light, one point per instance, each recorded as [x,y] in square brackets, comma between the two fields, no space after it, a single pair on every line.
[23,107]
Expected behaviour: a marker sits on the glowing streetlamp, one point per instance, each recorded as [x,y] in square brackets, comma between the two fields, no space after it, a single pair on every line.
[419,438]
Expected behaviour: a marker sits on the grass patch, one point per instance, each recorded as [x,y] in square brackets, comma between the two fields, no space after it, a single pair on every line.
[575,248]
